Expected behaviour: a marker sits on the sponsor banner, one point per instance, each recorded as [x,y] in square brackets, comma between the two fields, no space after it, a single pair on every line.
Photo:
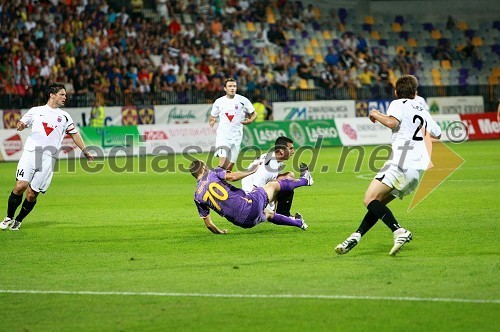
[363,107]
[314,110]
[456,105]
[361,131]
[12,143]
[173,114]
[124,137]
[482,126]
[135,115]
[303,133]
[177,138]
[444,121]
[10,118]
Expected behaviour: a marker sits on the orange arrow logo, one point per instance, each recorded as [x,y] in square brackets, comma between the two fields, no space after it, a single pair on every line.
[444,163]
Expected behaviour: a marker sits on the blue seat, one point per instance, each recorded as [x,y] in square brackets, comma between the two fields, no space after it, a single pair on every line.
[399,19]
[428,26]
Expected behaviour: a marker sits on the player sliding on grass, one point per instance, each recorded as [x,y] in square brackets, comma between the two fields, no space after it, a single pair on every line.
[410,123]
[241,209]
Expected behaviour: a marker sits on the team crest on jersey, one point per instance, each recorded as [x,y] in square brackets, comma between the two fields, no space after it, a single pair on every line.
[48,128]
[236,106]
[59,118]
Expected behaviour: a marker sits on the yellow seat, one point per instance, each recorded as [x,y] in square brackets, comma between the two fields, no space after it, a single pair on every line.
[250,26]
[375,35]
[316,13]
[309,51]
[436,34]
[303,84]
[326,35]
[369,20]
[462,26]
[270,19]
[437,81]
[314,42]
[396,27]
[400,49]
[477,41]
[412,42]
[435,73]
[446,64]
[319,58]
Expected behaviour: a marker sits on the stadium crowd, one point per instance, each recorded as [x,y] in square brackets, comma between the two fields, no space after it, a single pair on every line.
[94,47]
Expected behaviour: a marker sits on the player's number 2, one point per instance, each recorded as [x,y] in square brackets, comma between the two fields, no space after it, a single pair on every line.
[417,131]
[215,192]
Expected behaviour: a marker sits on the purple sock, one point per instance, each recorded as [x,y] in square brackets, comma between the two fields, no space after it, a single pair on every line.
[289,184]
[280,219]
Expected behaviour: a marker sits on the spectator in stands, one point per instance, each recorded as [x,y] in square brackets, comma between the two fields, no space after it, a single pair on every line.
[368,77]
[469,51]
[304,70]
[281,82]
[276,35]
[332,57]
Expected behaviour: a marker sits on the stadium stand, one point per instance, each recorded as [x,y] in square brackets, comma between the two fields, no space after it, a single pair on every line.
[131,49]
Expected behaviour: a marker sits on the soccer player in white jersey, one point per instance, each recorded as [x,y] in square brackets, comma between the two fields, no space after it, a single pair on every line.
[49,124]
[231,110]
[269,165]
[409,122]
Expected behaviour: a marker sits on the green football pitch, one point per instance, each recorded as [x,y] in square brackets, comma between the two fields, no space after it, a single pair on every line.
[126,251]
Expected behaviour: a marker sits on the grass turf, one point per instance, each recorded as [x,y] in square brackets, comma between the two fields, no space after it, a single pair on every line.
[140,233]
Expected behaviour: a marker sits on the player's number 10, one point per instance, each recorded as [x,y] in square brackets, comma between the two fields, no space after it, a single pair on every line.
[212,194]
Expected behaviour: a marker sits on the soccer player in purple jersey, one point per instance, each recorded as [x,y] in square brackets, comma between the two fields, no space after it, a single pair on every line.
[234,204]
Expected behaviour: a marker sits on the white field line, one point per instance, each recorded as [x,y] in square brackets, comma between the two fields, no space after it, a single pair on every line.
[255,296]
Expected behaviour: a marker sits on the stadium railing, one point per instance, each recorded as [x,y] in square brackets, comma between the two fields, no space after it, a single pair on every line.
[490,93]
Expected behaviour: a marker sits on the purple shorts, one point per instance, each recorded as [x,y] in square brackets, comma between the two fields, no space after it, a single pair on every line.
[256,213]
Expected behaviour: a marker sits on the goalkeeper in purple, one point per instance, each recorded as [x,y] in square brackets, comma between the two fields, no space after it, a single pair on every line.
[242,209]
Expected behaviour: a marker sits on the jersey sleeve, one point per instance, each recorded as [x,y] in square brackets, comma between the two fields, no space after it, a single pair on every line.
[202,209]
[432,126]
[215,109]
[27,118]
[395,110]
[220,173]
[70,127]
[249,108]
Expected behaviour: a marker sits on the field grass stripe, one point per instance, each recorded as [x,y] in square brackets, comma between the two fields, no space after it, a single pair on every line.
[257,296]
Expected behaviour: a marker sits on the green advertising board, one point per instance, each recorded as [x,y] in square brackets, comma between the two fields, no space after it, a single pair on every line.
[303,133]
[108,137]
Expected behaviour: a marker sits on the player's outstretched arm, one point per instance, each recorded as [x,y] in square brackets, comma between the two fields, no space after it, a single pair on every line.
[211,226]
[235,176]
[211,121]
[388,121]
[20,126]
[77,138]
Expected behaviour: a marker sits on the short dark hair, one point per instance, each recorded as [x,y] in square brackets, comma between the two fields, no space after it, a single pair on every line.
[406,86]
[229,80]
[53,88]
[196,168]
[281,143]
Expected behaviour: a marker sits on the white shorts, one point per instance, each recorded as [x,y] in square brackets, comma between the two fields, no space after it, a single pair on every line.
[37,169]
[402,183]
[227,149]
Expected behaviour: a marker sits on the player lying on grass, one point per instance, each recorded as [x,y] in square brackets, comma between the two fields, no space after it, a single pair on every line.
[241,209]
[410,122]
